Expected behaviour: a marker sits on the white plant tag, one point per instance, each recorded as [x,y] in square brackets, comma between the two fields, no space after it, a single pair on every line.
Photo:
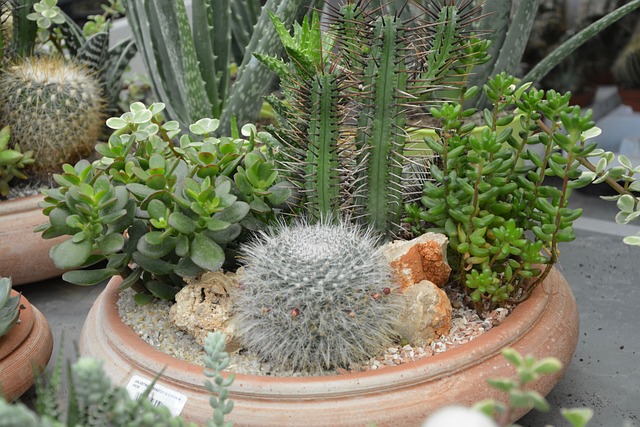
[159,395]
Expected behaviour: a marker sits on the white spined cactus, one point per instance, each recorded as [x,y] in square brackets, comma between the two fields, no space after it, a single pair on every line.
[315,297]
[55,108]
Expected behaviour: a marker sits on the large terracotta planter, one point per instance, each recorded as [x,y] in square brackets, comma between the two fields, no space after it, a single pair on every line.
[544,325]
[24,350]
[24,255]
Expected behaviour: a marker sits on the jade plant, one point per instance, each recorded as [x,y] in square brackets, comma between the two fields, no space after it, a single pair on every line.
[93,400]
[157,211]
[9,306]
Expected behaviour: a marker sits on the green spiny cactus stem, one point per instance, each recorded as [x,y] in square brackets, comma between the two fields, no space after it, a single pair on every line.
[626,69]
[342,125]
[9,306]
[316,297]
[54,107]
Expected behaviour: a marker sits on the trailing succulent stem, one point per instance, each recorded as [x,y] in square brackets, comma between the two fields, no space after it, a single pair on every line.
[490,190]
[342,123]
[316,297]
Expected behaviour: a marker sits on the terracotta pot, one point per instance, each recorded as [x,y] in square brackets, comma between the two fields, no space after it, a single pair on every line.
[630,97]
[24,255]
[544,325]
[28,345]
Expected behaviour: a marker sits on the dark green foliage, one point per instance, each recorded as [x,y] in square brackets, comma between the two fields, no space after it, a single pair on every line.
[189,65]
[155,211]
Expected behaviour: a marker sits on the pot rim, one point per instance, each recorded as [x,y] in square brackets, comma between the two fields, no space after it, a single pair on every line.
[19,332]
[20,204]
[519,323]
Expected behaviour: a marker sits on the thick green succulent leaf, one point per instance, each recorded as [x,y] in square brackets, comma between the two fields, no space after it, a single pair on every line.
[89,277]
[161,290]
[70,254]
[153,265]
[206,253]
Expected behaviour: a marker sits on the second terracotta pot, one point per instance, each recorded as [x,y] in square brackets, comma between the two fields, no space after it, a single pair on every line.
[24,254]
[544,325]
[25,350]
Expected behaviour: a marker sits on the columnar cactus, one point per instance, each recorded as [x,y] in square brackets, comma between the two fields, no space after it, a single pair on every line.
[54,107]
[316,297]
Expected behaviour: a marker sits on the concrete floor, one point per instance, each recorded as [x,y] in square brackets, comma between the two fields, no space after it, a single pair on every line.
[603,273]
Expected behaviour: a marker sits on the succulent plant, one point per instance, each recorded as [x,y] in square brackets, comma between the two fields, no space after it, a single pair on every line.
[503,220]
[92,400]
[159,212]
[342,123]
[12,161]
[315,297]
[189,65]
[9,306]
[54,108]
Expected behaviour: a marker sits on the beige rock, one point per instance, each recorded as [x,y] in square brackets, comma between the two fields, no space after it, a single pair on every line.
[427,314]
[423,258]
[204,306]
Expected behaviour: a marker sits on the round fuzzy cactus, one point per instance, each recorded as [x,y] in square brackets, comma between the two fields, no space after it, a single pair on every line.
[54,107]
[315,297]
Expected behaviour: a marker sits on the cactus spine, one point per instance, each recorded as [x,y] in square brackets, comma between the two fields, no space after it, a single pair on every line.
[342,126]
[316,297]
[54,108]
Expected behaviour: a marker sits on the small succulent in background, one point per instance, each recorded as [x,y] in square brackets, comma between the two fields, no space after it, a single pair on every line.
[528,370]
[12,161]
[315,297]
[626,68]
[92,400]
[9,306]
[55,109]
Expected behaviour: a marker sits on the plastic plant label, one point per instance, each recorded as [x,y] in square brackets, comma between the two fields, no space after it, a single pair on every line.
[159,395]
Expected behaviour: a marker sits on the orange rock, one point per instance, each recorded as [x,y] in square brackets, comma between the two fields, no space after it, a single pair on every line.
[423,258]
[427,314]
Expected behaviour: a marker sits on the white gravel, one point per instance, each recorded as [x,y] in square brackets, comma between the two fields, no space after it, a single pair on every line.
[151,323]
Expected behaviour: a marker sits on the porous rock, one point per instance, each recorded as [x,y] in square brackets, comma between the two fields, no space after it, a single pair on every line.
[423,258]
[427,314]
[204,306]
